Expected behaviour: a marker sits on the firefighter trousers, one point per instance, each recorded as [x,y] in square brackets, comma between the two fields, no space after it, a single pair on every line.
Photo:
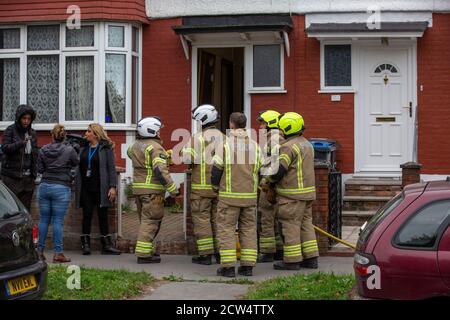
[268,231]
[204,212]
[299,237]
[151,211]
[228,217]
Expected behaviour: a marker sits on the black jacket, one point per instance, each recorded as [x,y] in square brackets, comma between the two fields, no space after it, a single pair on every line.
[13,147]
[108,176]
[55,162]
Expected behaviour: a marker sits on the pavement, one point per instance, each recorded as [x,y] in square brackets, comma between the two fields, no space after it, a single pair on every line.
[196,281]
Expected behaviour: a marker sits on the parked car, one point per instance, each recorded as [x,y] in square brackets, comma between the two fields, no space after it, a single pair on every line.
[409,240]
[22,274]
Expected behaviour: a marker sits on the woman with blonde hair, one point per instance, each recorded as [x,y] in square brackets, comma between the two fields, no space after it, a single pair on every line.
[55,162]
[96,186]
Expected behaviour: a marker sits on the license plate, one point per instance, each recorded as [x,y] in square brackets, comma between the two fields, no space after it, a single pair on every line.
[20,285]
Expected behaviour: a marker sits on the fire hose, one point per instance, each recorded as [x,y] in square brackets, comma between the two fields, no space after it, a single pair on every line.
[345,243]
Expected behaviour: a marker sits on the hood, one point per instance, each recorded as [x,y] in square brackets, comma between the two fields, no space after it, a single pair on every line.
[24,109]
[239,133]
[53,150]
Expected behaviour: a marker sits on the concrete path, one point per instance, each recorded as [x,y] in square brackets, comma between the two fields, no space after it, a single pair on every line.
[181,267]
[190,284]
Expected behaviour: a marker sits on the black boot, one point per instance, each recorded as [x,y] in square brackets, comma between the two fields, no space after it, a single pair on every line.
[311,263]
[265,257]
[107,246]
[206,259]
[153,259]
[245,271]
[226,272]
[217,257]
[86,244]
[281,265]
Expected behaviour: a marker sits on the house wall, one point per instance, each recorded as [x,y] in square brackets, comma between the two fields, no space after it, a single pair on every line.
[433,89]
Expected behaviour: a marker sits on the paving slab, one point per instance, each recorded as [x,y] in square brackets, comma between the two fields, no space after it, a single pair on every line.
[197,291]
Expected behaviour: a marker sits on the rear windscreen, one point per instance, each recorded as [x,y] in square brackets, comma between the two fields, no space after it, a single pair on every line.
[379,216]
[8,202]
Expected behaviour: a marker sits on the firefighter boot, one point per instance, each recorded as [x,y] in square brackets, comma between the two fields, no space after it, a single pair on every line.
[311,263]
[265,257]
[245,271]
[203,259]
[226,272]
[153,259]
[281,265]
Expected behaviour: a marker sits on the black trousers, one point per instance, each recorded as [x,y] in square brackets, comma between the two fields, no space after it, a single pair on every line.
[23,188]
[91,202]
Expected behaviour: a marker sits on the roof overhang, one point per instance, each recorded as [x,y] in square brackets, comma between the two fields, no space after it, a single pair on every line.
[365,30]
[234,29]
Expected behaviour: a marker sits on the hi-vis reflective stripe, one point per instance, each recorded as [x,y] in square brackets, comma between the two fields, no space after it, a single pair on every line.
[148,164]
[197,186]
[295,191]
[268,242]
[310,246]
[240,195]
[292,251]
[227,168]
[248,255]
[171,187]
[144,247]
[228,256]
[256,167]
[286,158]
[158,160]
[191,151]
[205,244]
[299,167]
[154,186]
[202,161]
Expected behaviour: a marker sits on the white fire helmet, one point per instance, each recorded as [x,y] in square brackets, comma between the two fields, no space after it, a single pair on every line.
[206,114]
[149,127]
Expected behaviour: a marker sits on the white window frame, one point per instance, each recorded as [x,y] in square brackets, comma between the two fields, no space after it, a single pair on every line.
[336,89]
[98,51]
[279,89]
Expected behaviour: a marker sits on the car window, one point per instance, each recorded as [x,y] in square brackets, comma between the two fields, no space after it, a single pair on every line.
[379,216]
[421,231]
[8,202]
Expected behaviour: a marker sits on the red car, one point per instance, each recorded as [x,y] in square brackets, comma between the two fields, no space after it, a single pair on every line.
[403,252]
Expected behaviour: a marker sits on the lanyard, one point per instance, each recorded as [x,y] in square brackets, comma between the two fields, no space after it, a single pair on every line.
[90,155]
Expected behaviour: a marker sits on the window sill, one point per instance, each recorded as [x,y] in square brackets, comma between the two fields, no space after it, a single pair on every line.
[74,127]
[267,91]
[325,91]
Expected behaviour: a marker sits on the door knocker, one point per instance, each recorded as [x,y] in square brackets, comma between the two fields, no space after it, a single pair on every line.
[386,79]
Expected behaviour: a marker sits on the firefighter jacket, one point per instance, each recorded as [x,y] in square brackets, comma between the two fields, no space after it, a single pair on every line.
[271,152]
[235,170]
[199,152]
[151,175]
[297,169]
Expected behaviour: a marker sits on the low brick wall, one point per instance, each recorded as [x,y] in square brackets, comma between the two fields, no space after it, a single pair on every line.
[73,220]
[321,205]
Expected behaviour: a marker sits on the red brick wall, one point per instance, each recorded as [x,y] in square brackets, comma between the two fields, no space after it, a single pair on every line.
[166,79]
[55,10]
[433,60]
[323,118]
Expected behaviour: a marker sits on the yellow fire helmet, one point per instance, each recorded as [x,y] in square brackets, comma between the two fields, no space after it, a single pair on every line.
[291,123]
[270,117]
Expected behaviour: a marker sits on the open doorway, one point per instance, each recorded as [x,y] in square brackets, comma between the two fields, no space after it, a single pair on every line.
[220,77]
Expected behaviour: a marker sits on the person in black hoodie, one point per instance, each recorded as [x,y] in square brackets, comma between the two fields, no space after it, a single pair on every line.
[55,163]
[20,152]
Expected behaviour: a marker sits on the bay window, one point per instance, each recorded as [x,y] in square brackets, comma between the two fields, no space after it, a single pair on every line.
[71,76]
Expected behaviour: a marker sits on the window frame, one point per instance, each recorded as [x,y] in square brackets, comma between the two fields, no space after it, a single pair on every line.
[126,36]
[99,51]
[440,231]
[337,89]
[279,89]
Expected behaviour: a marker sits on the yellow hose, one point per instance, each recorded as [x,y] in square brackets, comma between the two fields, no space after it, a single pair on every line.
[348,244]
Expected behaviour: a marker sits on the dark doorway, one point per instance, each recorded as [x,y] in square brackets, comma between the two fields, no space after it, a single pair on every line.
[220,81]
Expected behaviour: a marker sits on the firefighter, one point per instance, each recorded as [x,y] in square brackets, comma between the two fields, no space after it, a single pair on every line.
[235,176]
[150,182]
[270,242]
[295,187]
[198,154]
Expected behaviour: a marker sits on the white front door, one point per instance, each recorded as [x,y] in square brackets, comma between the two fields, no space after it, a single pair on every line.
[384,119]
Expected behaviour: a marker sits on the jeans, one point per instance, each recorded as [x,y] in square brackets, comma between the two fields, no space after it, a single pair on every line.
[54,200]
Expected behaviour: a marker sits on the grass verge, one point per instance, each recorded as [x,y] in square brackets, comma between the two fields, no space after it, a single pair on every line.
[96,284]
[314,286]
